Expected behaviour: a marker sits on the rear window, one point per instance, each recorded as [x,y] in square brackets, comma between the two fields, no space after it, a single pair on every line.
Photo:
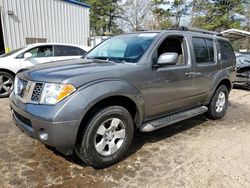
[68,51]
[226,49]
[203,49]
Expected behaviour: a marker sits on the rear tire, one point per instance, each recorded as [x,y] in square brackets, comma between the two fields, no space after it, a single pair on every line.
[219,103]
[106,138]
[6,84]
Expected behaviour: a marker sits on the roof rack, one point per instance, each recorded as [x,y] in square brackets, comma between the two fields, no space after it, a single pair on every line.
[183,28]
[142,30]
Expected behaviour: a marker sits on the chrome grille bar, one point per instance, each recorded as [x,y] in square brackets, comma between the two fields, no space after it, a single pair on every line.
[28,91]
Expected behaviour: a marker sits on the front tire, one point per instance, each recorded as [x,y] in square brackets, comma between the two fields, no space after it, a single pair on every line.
[106,138]
[219,103]
[6,84]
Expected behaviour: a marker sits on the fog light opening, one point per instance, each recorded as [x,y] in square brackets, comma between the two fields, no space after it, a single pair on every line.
[42,134]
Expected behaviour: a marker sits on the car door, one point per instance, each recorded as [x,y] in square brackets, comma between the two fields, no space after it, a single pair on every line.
[39,54]
[170,87]
[206,65]
[63,52]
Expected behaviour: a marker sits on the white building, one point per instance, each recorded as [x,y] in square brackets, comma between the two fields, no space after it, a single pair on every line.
[30,21]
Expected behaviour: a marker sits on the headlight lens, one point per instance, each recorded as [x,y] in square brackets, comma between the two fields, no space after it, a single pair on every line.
[53,93]
[15,85]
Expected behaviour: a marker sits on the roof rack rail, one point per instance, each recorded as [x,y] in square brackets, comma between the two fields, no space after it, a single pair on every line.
[142,30]
[183,28]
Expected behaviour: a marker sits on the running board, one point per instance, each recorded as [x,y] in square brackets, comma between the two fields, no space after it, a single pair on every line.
[171,119]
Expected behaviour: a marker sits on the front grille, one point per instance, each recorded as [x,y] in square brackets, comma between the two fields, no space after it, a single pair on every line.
[21,86]
[28,91]
[36,95]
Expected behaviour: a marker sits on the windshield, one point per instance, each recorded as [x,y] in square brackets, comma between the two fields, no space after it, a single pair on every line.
[12,52]
[123,48]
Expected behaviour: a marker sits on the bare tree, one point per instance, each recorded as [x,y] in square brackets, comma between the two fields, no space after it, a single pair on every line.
[179,8]
[136,14]
[193,7]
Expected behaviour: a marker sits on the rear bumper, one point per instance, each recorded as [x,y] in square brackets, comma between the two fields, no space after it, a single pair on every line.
[58,134]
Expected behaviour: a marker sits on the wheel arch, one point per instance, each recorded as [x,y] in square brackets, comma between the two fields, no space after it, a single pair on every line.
[106,92]
[121,100]
[225,82]
[8,71]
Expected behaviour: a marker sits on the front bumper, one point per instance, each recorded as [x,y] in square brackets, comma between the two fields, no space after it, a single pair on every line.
[52,125]
[242,79]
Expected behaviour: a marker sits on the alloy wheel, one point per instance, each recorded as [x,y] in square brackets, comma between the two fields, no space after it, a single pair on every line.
[220,103]
[6,85]
[110,136]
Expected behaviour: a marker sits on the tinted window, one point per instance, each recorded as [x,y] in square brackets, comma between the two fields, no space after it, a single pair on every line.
[81,51]
[227,51]
[68,51]
[210,46]
[42,51]
[203,49]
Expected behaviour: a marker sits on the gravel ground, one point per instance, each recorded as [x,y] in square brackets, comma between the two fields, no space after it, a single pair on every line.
[194,153]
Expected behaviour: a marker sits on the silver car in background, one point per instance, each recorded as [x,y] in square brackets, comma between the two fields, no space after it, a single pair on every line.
[243,70]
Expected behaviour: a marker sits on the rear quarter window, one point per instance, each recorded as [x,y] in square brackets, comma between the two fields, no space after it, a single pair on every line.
[226,49]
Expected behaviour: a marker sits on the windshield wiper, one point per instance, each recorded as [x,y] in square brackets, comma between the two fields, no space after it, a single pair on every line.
[108,59]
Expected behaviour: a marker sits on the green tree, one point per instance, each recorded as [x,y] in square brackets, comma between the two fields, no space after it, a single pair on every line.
[193,6]
[247,15]
[179,8]
[102,16]
[244,43]
[169,13]
[162,16]
[218,14]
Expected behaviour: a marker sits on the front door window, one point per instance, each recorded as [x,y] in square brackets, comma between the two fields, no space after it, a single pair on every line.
[42,51]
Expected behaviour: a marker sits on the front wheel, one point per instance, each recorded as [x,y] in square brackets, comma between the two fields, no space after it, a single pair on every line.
[6,84]
[106,138]
[219,103]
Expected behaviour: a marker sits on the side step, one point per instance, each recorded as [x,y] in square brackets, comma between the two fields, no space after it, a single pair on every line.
[171,119]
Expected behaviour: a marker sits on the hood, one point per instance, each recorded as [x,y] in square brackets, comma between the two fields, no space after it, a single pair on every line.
[2,59]
[59,71]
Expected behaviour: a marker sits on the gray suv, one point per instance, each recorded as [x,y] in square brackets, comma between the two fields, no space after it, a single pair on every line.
[139,81]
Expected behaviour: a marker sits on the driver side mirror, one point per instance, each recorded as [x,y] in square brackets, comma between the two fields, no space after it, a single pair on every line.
[169,58]
[27,55]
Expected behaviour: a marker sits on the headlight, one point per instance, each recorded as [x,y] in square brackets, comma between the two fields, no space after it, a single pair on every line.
[53,93]
[15,85]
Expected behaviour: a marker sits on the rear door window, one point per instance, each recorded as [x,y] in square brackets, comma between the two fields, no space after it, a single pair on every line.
[60,50]
[203,49]
[210,46]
